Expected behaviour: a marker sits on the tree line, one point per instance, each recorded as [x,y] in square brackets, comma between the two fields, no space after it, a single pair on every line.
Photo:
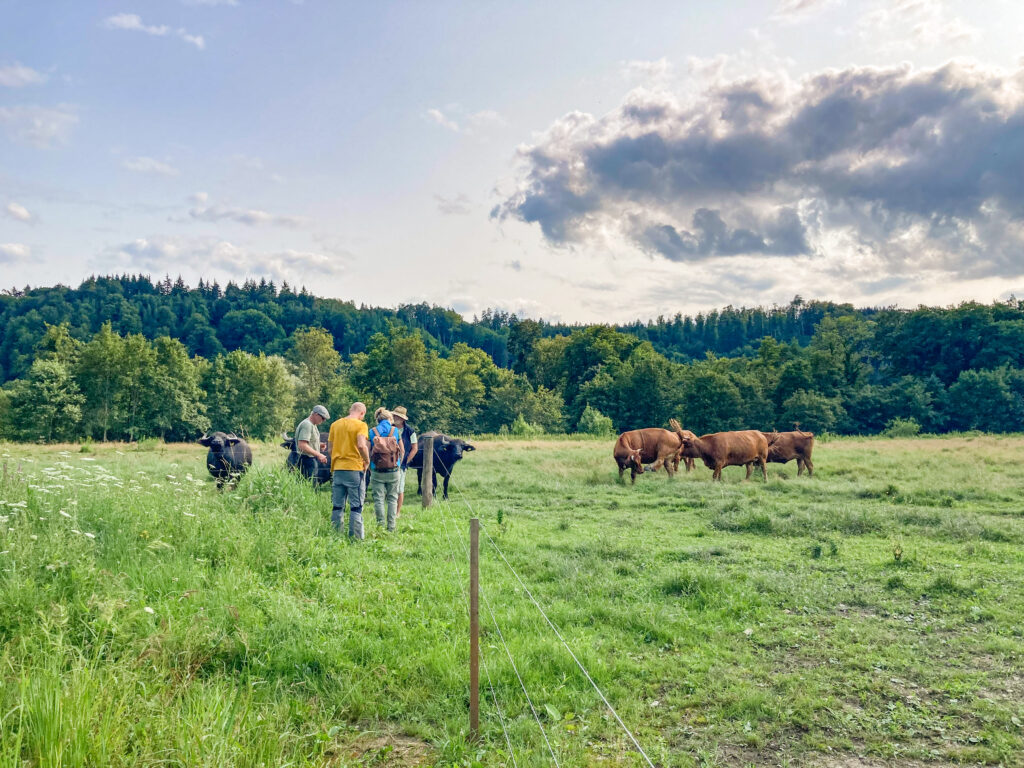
[126,358]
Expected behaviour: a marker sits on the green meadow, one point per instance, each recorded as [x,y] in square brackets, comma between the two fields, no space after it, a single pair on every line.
[871,615]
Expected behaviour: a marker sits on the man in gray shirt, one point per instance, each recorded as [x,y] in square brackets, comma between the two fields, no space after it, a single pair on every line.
[307,441]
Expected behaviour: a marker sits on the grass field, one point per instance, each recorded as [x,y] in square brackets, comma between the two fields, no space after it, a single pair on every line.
[872,615]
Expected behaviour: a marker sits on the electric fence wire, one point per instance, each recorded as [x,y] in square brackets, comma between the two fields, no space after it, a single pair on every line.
[508,651]
[487,672]
[555,630]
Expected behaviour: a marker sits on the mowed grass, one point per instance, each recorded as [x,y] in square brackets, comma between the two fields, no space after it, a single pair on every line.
[870,615]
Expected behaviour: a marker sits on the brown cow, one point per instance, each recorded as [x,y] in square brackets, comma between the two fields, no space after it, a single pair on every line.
[687,455]
[730,449]
[653,444]
[786,446]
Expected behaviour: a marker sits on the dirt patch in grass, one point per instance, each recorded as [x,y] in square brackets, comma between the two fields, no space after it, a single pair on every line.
[385,749]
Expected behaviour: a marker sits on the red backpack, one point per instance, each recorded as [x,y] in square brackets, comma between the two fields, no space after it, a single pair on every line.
[384,453]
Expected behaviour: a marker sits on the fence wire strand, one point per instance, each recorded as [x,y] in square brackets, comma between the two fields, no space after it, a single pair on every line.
[554,629]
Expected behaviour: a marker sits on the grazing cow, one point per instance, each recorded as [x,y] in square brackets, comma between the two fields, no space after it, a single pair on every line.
[447,451]
[322,473]
[228,458]
[786,446]
[652,445]
[730,449]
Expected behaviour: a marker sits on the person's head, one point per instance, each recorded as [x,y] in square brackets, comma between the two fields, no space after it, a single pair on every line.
[399,416]
[357,411]
[319,415]
[382,414]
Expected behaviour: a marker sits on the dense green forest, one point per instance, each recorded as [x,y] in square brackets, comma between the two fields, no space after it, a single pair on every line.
[127,358]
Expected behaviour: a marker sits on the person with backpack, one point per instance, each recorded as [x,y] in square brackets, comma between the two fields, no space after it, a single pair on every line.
[386,452]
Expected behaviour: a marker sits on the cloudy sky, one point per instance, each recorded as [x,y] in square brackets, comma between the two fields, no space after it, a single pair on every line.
[571,160]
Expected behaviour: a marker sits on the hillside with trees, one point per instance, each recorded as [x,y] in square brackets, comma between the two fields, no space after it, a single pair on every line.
[128,358]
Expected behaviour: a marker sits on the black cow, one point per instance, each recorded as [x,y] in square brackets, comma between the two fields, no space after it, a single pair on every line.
[447,451]
[322,473]
[228,458]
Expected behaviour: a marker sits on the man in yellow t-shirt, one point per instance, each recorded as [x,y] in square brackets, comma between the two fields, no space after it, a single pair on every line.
[350,456]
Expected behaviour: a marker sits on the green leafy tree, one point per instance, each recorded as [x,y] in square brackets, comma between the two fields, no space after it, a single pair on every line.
[101,375]
[174,407]
[249,394]
[46,406]
[711,403]
[982,400]
[811,411]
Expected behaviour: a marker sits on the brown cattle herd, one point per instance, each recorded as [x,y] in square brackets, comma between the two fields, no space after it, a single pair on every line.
[656,448]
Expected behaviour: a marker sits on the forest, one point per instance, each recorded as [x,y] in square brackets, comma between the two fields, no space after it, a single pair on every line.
[129,358]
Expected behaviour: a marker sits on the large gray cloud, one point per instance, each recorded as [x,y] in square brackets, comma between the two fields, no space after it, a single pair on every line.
[922,169]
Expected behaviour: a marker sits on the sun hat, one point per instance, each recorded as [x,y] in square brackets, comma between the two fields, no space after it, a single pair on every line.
[319,410]
[400,413]
[382,414]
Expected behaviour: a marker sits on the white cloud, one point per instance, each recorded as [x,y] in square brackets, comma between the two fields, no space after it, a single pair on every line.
[445,122]
[19,212]
[459,121]
[202,211]
[648,71]
[904,25]
[794,11]
[213,256]
[458,205]
[42,127]
[133,22]
[18,76]
[14,252]
[149,165]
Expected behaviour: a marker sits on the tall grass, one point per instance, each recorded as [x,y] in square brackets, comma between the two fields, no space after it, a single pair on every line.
[147,618]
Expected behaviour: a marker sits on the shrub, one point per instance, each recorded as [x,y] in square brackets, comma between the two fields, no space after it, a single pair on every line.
[522,428]
[902,428]
[593,422]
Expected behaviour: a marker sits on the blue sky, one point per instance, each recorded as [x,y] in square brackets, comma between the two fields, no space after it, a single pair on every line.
[577,161]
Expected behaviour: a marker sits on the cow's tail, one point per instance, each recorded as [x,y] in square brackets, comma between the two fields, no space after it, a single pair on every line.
[676,427]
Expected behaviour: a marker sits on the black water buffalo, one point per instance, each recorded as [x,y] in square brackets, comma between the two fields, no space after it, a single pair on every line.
[321,473]
[447,451]
[229,456]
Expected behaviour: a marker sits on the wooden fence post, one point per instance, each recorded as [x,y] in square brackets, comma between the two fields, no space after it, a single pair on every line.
[474,628]
[427,491]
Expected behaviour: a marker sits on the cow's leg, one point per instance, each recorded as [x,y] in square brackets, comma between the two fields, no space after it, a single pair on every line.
[632,475]
[799,466]
[689,463]
[622,469]
[810,466]
[717,474]
[750,468]
[671,467]
[419,480]
[764,468]
[446,479]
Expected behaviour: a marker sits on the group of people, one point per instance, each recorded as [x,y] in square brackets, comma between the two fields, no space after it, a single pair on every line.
[380,455]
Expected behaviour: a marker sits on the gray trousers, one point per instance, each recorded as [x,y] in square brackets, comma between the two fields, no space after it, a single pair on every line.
[347,484]
[385,490]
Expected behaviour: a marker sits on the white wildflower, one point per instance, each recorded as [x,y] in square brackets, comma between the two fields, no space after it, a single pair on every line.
[147,609]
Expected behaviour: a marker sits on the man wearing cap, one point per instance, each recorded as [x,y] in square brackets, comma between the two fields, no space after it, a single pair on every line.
[308,443]
[400,418]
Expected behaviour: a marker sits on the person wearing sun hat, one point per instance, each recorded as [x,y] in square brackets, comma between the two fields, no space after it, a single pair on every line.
[400,418]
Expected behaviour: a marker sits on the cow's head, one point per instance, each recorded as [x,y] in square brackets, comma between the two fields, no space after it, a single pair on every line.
[457,446]
[289,442]
[634,460]
[218,441]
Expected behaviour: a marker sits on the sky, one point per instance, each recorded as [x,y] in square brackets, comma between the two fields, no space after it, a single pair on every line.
[576,161]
